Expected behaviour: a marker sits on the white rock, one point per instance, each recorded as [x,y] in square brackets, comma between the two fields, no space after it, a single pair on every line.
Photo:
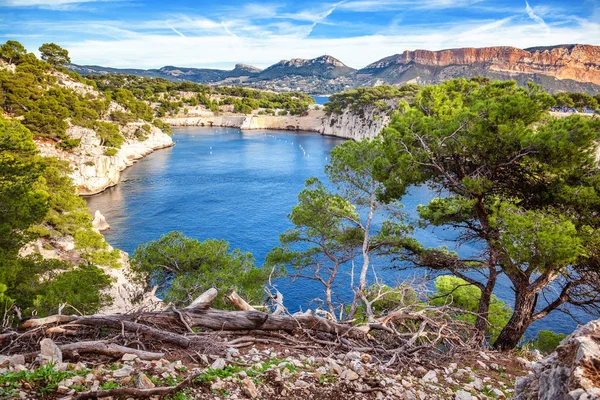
[249,388]
[99,222]
[349,375]
[143,382]
[430,377]
[123,372]
[129,357]
[50,351]
[462,395]
[219,363]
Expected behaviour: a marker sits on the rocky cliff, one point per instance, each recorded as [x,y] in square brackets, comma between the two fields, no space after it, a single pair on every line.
[567,67]
[570,373]
[350,125]
[574,67]
[93,171]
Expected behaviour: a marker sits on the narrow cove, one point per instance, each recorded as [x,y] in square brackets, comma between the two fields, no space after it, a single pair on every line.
[239,186]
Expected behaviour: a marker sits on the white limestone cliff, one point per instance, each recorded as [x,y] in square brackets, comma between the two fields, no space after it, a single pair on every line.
[93,171]
[349,124]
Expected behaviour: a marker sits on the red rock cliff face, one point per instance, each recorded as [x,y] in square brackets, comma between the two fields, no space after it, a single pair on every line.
[577,62]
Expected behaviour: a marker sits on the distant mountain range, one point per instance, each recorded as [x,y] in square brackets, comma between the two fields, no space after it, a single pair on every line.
[557,68]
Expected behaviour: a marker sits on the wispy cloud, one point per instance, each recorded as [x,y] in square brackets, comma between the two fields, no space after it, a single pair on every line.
[387,5]
[62,5]
[539,20]
[174,30]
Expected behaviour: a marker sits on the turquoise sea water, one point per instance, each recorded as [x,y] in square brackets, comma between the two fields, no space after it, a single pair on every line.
[239,186]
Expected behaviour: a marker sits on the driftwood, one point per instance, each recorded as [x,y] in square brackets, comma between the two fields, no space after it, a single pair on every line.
[53,319]
[136,393]
[407,330]
[142,329]
[239,302]
[204,300]
[107,349]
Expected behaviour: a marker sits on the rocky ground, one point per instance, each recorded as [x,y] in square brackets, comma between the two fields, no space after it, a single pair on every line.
[259,372]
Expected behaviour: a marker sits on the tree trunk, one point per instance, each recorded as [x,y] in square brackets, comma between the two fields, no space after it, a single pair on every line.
[520,320]
[483,309]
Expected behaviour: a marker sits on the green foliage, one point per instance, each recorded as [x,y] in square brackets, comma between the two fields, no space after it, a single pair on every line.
[94,249]
[459,293]
[548,341]
[22,204]
[578,101]
[511,175]
[80,287]
[163,126]
[11,51]
[357,99]
[68,144]
[110,151]
[186,268]
[109,134]
[166,94]
[67,212]
[122,118]
[54,55]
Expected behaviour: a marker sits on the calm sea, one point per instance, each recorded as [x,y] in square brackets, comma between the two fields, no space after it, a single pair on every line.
[239,186]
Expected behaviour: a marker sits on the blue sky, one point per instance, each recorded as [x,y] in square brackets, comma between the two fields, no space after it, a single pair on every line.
[219,34]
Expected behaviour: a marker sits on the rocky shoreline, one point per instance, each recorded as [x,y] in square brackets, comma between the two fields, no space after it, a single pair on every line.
[347,125]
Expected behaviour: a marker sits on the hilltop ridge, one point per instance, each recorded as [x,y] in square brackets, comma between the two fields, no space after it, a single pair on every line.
[558,68]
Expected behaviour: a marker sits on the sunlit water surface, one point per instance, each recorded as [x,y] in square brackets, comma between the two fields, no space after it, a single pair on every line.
[240,186]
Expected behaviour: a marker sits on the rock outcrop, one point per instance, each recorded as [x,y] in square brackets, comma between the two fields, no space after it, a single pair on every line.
[93,171]
[557,68]
[572,372]
[574,67]
[99,222]
[349,124]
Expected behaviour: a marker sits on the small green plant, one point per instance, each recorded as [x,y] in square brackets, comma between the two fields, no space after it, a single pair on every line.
[68,144]
[110,151]
[109,385]
[548,341]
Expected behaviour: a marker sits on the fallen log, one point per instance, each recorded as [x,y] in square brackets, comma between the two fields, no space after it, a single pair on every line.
[53,319]
[240,303]
[106,349]
[204,300]
[145,330]
[136,393]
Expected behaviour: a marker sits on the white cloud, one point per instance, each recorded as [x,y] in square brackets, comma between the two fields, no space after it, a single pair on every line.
[63,5]
[539,20]
[386,5]
[156,50]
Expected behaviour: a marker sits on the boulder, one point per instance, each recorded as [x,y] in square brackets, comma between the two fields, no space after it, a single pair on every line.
[571,372]
[50,352]
[249,388]
[99,222]
[143,382]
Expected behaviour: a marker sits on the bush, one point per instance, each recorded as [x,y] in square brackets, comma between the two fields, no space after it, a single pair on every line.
[162,125]
[122,118]
[80,287]
[109,134]
[68,144]
[186,267]
[548,341]
[459,293]
[111,151]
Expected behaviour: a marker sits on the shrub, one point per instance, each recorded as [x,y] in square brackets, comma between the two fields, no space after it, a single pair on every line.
[122,118]
[111,151]
[459,293]
[109,134]
[548,341]
[162,125]
[186,267]
[68,144]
